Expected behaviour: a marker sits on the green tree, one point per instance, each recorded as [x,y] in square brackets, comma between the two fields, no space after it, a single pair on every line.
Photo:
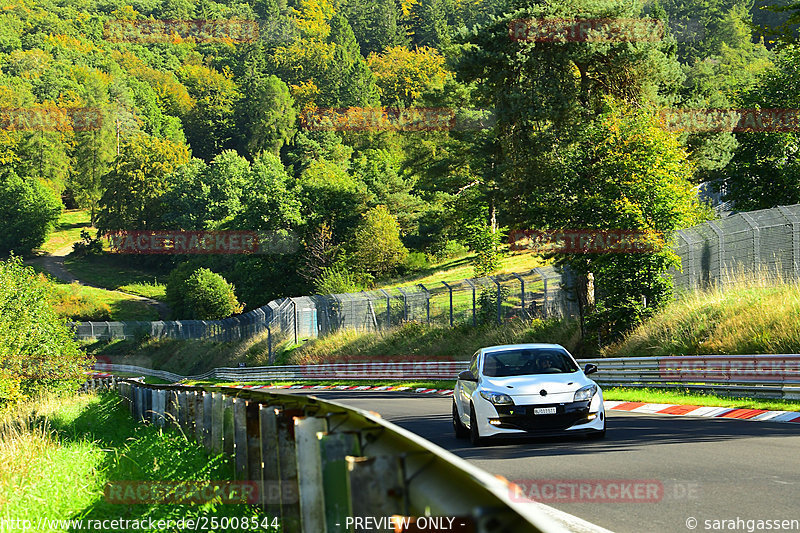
[377,245]
[29,211]
[352,82]
[37,351]
[135,186]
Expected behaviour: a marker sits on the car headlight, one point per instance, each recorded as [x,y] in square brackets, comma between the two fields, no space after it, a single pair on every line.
[497,398]
[586,393]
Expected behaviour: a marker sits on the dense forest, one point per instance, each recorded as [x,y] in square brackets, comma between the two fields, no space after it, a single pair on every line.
[198,133]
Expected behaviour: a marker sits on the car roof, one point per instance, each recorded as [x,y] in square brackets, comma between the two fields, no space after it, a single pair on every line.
[533,346]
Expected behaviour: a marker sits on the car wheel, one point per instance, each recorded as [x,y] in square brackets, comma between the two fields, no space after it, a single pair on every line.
[459,429]
[474,433]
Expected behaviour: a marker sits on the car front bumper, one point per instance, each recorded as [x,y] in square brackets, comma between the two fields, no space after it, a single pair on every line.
[586,416]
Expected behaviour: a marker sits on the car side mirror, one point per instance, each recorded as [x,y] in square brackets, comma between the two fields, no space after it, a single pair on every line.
[589,369]
[466,375]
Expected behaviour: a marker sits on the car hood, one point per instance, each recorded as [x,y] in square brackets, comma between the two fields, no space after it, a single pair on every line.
[533,384]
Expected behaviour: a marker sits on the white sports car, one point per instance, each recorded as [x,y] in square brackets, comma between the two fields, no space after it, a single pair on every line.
[526,389]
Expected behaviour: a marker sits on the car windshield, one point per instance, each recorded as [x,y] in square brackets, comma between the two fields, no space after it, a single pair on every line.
[527,362]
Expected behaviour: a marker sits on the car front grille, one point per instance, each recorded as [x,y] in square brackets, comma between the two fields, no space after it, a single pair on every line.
[522,417]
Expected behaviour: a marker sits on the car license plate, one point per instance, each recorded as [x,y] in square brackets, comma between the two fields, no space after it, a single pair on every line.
[544,411]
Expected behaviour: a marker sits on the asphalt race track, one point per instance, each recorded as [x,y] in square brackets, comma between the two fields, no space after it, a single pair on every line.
[708,469]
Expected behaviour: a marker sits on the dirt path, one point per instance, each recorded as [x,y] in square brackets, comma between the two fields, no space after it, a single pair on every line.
[54,264]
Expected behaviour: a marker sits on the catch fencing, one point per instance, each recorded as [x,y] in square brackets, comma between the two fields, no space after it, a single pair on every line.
[541,292]
[315,465]
[765,243]
[757,376]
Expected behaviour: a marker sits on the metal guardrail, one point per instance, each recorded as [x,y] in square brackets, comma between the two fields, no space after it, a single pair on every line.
[329,461]
[763,376]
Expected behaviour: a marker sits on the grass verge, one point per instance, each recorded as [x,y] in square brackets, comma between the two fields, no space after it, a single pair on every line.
[55,464]
[116,273]
[748,316]
[418,340]
[68,230]
[79,303]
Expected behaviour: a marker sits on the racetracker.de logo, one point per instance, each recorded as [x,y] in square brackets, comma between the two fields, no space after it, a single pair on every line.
[183,242]
[587,490]
[733,120]
[583,241]
[552,30]
[176,31]
[50,119]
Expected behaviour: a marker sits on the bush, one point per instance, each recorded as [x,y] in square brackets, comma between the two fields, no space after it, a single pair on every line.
[87,245]
[29,211]
[37,351]
[416,261]
[337,280]
[202,295]
[378,248]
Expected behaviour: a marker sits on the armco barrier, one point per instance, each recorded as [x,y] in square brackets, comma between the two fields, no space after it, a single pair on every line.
[764,376]
[319,463]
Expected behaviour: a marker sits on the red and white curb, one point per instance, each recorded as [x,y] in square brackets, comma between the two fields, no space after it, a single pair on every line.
[383,388]
[707,412]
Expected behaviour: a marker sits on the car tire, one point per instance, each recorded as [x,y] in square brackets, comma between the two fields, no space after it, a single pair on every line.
[474,433]
[460,430]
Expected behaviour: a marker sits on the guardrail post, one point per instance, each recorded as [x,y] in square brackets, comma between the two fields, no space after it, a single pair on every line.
[309,472]
[376,486]
[334,449]
[240,437]
[199,416]
[208,408]
[252,430]
[227,425]
[147,415]
[216,422]
[287,467]
[171,409]
[271,476]
[450,290]
[158,408]
[183,410]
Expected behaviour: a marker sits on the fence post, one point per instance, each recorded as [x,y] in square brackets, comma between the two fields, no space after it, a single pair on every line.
[294,318]
[427,304]
[199,416]
[522,295]
[405,304]
[450,290]
[499,300]
[388,309]
[544,281]
[795,240]
[756,239]
[269,345]
[253,430]
[474,313]
[720,249]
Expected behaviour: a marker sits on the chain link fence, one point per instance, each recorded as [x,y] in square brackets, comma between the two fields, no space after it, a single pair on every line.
[542,292]
[765,243]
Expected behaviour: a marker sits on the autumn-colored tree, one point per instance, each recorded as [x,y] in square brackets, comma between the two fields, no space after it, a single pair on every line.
[404,75]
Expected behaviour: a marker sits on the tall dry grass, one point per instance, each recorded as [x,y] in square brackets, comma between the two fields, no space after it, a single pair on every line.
[747,314]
